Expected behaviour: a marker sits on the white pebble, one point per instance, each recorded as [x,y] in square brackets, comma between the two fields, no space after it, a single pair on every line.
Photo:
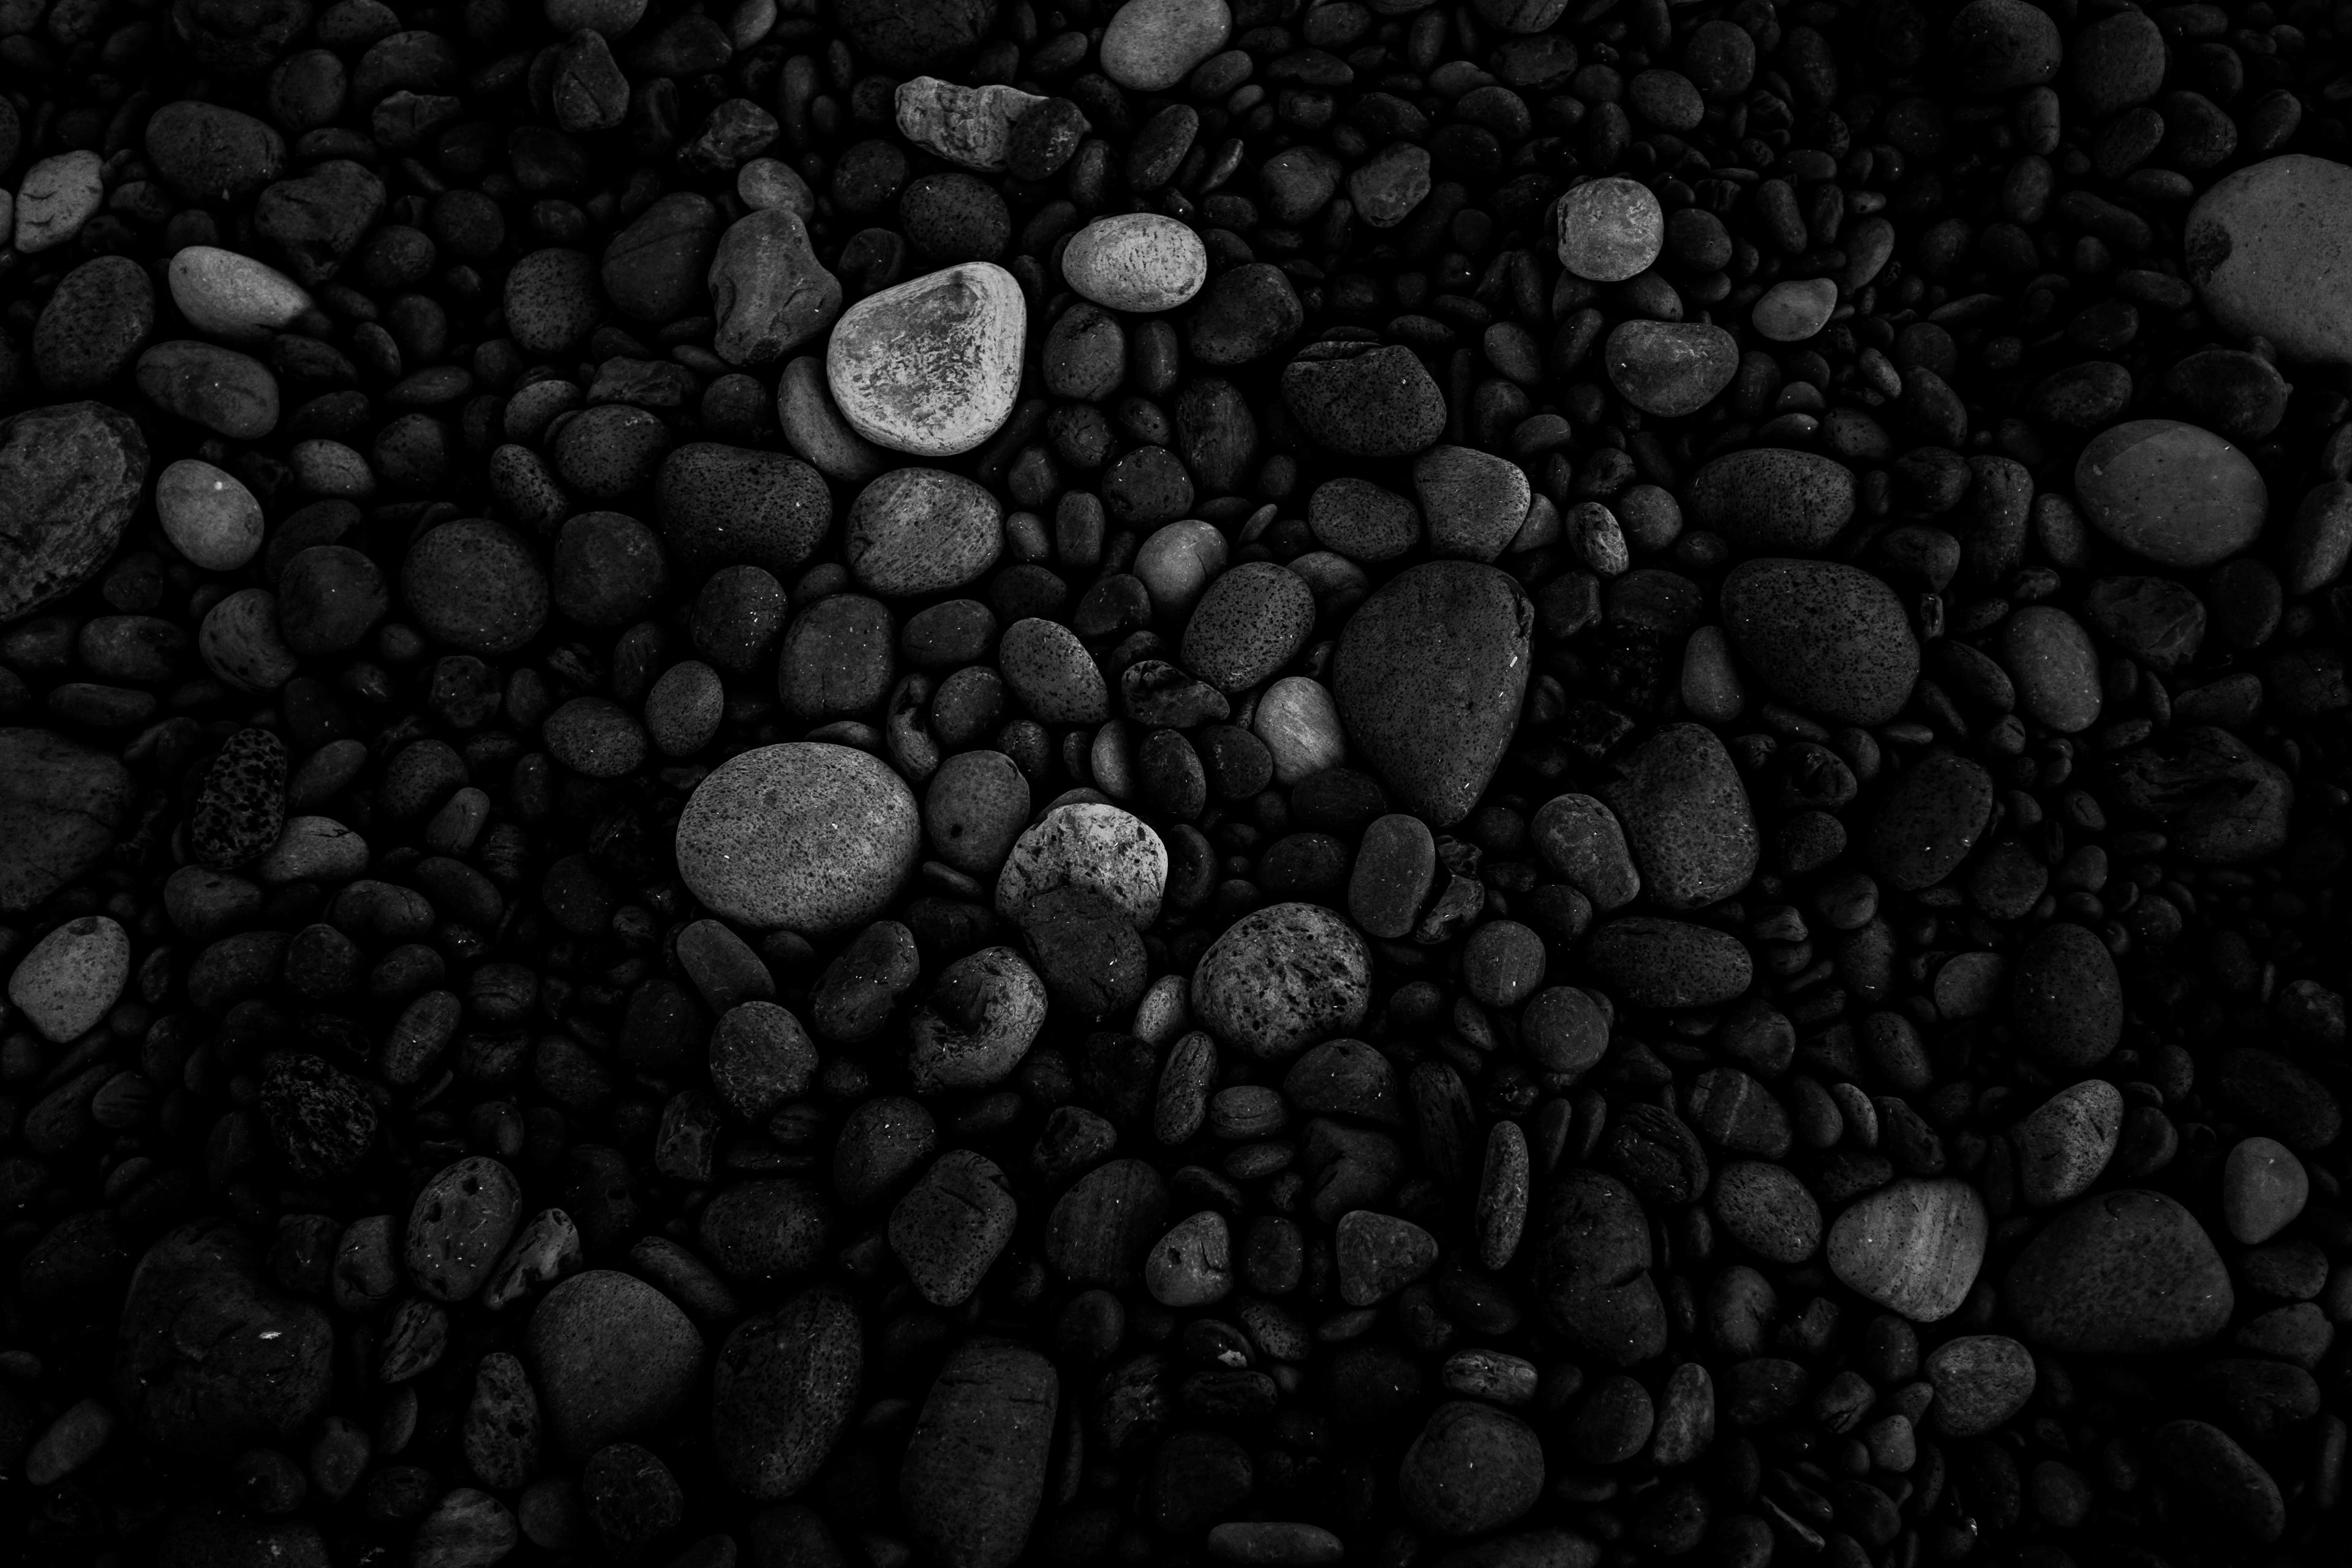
[1610,229]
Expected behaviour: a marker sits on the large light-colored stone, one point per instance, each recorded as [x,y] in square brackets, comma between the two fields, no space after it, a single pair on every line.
[2270,249]
[813,836]
[967,125]
[1139,262]
[932,366]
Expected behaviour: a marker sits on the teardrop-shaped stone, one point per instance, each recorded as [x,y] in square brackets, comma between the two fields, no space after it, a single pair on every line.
[1429,678]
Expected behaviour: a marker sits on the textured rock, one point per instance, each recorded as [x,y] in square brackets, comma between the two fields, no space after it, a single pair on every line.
[2125,1273]
[813,836]
[69,480]
[930,367]
[2268,248]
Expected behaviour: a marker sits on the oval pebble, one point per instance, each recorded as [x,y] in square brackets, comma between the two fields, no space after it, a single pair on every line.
[1281,979]
[1138,262]
[2171,492]
[805,835]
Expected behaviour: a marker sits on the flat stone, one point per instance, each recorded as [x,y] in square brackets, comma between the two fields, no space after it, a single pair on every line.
[2207,1464]
[1136,262]
[208,515]
[1379,1255]
[2055,667]
[931,367]
[952,1224]
[805,835]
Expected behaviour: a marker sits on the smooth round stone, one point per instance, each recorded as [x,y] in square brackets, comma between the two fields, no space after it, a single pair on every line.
[2125,1273]
[1980,1381]
[952,1224]
[2264,1187]
[1136,262]
[2262,245]
[1791,311]
[1152,44]
[1362,400]
[1301,727]
[2175,494]
[477,586]
[1429,675]
[2055,665]
[785,1388]
[1653,963]
[610,1356]
[1251,622]
[1913,1246]
[1050,672]
[1773,498]
[765,182]
[1766,1209]
[72,977]
[1281,979]
[974,1471]
[1827,637]
[1192,1266]
[1178,563]
[1610,229]
[2066,1141]
[802,835]
[240,642]
[1089,845]
[2207,1465]
[2066,1002]
[2000,45]
[208,515]
[1362,520]
[459,1227]
[917,531]
[930,367]
[1388,186]
[1925,826]
[1581,839]
[1686,815]
[1475,501]
[1473,1468]
[983,1016]
[228,295]
[1671,368]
